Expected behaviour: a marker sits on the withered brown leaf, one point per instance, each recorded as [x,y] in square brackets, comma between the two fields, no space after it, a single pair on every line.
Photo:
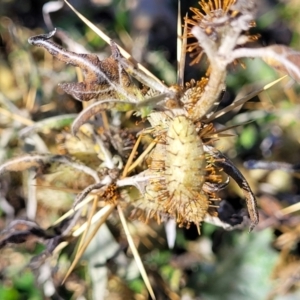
[285,60]
[20,231]
[102,78]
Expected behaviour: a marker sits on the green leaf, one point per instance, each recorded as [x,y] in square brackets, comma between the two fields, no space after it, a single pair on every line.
[248,137]
[9,293]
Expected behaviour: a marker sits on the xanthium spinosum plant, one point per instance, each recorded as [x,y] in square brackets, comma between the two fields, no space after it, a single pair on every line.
[178,173]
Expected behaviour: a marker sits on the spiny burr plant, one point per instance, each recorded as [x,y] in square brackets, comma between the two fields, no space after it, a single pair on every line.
[170,168]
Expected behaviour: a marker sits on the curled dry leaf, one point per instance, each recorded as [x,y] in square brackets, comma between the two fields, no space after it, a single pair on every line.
[285,60]
[20,231]
[96,108]
[228,167]
[40,161]
[102,78]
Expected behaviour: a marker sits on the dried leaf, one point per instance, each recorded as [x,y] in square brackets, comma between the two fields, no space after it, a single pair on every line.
[56,122]
[20,231]
[229,168]
[284,59]
[25,162]
[96,108]
[102,78]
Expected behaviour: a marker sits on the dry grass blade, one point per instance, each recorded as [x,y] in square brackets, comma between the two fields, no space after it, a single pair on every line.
[130,159]
[81,244]
[103,211]
[107,39]
[181,46]
[80,197]
[290,209]
[136,253]
[218,131]
[16,117]
[71,211]
[101,220]
[241,101]
[142,156]
[88,223]
[179,41]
